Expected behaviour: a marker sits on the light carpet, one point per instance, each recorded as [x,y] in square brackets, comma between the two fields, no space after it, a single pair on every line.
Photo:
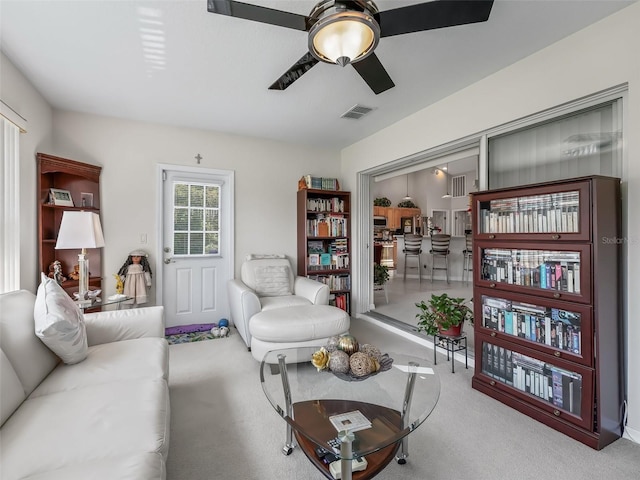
[223,427]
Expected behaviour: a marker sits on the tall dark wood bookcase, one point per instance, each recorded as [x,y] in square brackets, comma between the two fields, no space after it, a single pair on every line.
[547,304]
[77,178]
[324,241]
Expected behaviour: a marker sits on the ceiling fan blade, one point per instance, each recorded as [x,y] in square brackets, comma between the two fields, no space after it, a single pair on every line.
[298,69]
[432,15]
[372,72]
[258,14]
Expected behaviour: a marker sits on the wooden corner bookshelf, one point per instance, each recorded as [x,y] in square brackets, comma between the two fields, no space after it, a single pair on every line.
[324,241]
[82,181]
[547,304]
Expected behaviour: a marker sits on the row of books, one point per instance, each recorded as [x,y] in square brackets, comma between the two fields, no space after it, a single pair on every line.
[335,204]
[536,221]
[536,268]
[555,385]
[327,226]
[326,261]
[550,326]
[557,212]
[341,300]
[336,246]
[321,183]
[335,282]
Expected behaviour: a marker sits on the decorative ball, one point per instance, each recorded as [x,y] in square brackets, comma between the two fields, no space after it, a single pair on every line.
[332,343]
[320,359]
[371,350]
[224,331]
[348,344]
[361,364]
[339,362]
[215,331]
[223,323]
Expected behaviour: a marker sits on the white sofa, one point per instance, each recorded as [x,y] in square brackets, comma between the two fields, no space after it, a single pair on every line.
[272,309]
[104,418]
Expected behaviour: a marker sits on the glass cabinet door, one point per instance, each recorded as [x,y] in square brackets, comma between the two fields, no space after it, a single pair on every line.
[546,214]
[560,273]
[562,389]
[557,327]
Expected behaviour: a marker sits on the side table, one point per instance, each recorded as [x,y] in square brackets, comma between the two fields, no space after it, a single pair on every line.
[451,344]
[99,303]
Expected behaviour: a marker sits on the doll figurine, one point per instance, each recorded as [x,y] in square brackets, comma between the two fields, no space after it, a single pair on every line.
[136,275]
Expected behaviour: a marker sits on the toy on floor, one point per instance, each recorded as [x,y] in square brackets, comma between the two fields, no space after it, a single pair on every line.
[219,332]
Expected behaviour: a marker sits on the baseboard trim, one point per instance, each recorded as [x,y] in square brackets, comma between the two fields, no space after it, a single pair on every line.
[631,434]
[406,331]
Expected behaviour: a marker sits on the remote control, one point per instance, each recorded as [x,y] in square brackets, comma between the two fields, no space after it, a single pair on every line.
[334,443]
[357,465]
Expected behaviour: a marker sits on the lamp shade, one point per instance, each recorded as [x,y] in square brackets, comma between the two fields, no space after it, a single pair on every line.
[344,37]
[80,230]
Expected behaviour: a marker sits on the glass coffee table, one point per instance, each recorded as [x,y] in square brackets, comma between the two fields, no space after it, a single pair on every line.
[395,402]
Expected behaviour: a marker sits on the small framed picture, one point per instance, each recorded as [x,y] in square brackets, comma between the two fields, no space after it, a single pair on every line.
[60,197]
[86,199]
[314,260]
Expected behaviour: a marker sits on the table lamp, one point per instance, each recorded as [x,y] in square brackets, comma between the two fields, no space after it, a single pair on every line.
[80,230]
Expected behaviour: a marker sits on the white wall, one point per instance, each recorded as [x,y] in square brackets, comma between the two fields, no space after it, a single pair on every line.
[266,174]
[17,92]
[599,57]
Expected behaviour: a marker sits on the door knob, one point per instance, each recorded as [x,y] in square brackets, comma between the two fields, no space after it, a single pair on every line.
[167,249]
[167,261]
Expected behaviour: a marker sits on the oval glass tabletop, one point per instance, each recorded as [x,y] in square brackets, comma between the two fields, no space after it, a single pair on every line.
[321,407]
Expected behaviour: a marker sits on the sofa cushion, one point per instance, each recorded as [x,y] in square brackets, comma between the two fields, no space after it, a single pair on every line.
[30,358]
[59,323]
[143,358]
[300,323]
[129,467]
[253,270]
[11,391]
[273,281]
[91,424]
[270,303]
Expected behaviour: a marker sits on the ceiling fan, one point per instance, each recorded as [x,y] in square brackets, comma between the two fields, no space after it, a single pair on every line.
[347,31]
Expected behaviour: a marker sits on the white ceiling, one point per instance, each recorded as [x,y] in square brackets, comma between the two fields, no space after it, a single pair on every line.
[212,71]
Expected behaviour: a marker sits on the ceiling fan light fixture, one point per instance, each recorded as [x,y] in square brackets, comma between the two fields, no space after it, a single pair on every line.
[343,36]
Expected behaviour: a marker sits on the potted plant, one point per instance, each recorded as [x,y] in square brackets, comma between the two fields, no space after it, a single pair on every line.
[381,202]
[380,274]
[407,204]
[443,315]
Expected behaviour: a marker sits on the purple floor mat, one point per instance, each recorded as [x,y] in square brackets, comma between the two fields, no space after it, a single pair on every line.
[196,327]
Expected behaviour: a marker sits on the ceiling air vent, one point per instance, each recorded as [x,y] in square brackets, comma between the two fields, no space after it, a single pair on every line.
[356,112]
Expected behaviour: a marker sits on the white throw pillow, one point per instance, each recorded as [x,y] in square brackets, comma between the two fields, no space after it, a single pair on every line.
[273,281]
[59,323]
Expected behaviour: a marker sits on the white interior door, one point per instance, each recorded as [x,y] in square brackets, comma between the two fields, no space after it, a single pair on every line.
[197,246]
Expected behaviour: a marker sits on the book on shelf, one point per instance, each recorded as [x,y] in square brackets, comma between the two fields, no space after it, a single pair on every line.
[350,421]
[325,259]
[320,183]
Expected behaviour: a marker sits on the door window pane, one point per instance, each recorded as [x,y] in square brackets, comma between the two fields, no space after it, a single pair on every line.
[196,226]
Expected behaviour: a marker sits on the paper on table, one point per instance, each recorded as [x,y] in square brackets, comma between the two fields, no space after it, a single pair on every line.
[407,369]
